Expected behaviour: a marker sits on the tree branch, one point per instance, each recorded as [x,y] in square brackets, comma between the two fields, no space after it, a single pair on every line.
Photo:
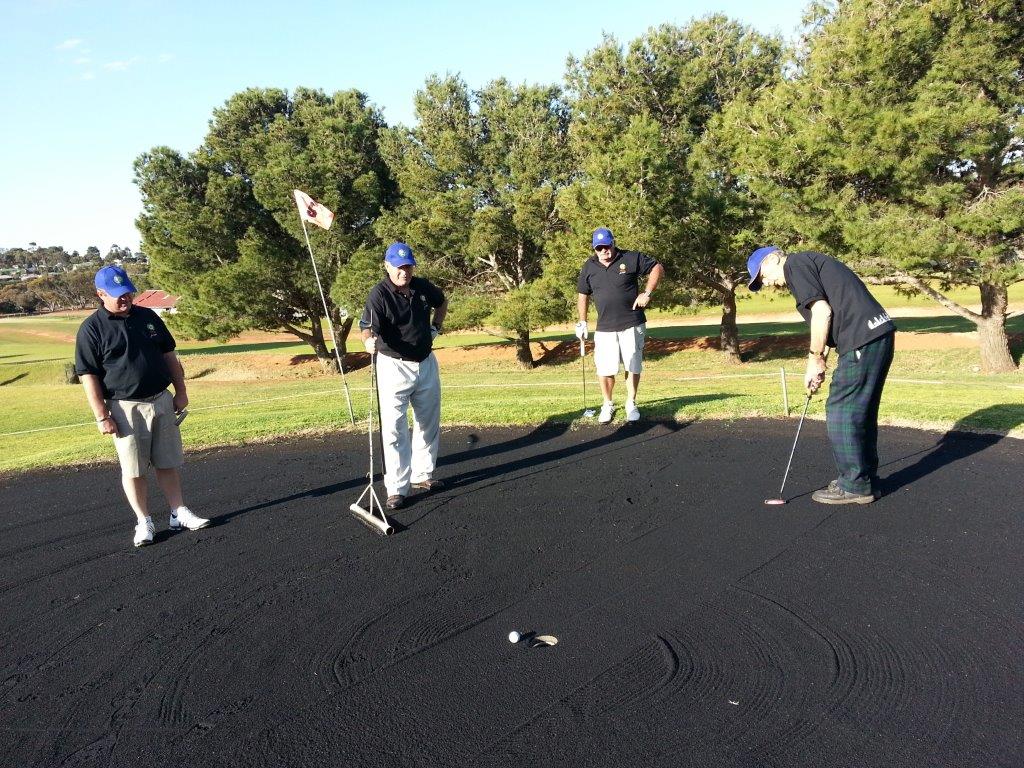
[920,285]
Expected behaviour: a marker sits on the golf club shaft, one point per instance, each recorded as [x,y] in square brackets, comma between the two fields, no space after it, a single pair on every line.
[793,450]
[583,369]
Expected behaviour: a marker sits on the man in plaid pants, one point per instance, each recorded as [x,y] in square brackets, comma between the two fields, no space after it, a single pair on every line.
[843,315]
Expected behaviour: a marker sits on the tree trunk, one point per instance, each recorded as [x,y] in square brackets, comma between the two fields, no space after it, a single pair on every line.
[319,345]
[995,346]
[343,331]
[729,335]
[523,354]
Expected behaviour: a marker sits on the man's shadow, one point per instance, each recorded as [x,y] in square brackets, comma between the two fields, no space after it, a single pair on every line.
[957,444]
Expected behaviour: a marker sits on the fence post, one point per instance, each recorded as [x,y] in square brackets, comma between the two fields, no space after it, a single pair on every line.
[785,392]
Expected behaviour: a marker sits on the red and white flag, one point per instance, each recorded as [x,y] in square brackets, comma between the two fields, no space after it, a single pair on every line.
[311,210]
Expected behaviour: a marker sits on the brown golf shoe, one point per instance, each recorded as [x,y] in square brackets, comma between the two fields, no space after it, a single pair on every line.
[395,502]
[834,494]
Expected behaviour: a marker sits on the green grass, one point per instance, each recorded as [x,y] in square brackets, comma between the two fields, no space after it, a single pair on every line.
[245,392]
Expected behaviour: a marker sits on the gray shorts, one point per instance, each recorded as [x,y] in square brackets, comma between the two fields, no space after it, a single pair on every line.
[146,434]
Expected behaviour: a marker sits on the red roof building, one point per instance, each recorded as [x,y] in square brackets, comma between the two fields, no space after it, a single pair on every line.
[158,301]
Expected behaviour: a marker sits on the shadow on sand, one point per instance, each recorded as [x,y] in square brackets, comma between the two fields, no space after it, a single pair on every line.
[956,444]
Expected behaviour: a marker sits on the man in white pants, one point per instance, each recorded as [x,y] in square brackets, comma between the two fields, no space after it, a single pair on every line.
[397,325]
[612,276]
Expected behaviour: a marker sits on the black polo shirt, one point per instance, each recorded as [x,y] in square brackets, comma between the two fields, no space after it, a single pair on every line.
[126,353]
[402,323]
[614,288]
[857,317]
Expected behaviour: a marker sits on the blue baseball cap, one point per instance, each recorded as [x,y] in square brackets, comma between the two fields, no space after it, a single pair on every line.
[114,281]
[399,255]
[602,236]
[754,265]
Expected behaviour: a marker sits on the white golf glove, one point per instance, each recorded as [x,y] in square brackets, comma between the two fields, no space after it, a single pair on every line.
[581,330]
[370,344]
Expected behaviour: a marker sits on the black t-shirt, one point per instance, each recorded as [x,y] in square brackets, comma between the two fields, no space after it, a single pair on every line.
[126,353]
[857,317]
[402,323]
[614,288]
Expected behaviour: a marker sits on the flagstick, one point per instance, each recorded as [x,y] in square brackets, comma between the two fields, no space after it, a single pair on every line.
[330,324]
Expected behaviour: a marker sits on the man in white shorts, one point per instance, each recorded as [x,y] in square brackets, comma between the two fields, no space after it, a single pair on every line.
[611,276]
[124,356]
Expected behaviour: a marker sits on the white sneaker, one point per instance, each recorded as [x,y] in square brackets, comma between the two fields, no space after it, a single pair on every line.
[632,412]
[186,518]
[607,411]
[144,533]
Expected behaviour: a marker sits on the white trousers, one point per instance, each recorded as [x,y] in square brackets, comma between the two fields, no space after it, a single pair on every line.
[409,458]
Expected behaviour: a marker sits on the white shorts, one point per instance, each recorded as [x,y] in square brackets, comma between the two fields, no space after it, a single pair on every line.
[612,346]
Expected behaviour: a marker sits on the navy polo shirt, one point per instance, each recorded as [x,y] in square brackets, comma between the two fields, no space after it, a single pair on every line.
[857,317]
[126,353]
[615,288]
[402,322]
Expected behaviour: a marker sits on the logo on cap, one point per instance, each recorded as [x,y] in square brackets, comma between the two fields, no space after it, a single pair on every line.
[118,279]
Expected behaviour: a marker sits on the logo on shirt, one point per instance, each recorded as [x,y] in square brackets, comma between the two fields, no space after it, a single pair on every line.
[881,319]
[423,298]
[152,330]
[622,267]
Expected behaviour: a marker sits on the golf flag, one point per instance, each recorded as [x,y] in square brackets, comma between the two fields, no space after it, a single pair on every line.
[311,210]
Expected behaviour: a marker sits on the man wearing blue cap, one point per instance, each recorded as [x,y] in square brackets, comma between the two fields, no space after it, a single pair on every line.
[124,356]
[611,276]
[402,317]
[843,315]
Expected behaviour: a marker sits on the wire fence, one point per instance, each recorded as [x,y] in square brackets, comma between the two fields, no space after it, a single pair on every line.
[506,385]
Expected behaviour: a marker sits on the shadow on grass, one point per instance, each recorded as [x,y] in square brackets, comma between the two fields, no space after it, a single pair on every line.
[957,444]
[230,349]
[5,357]
[13,379]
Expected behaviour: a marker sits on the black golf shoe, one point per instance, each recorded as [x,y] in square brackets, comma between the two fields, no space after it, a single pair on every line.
[834,494]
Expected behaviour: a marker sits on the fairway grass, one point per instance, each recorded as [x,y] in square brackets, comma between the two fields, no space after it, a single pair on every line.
[256,391]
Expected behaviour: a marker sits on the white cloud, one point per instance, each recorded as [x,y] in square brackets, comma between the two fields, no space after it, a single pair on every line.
[67,45]
[120,66]
[88,76]
[83,60]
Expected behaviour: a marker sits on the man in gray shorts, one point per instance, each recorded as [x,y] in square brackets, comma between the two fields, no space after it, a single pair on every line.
[125,358]
[611,277]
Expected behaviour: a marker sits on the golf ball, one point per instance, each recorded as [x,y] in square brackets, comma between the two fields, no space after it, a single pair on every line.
[514,637]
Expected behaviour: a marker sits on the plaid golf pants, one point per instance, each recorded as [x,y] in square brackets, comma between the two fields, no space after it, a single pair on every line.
[851,412]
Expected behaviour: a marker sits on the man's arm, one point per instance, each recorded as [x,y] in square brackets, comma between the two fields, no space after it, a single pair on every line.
[821,323]
[94,394]
[582,304]
[644,298]
[177,380]
[439,315]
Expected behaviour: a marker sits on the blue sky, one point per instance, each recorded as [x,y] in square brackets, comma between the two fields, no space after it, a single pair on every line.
[90,84]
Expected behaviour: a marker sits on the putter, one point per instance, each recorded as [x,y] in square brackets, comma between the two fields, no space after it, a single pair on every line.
[588,413]
[377,522]
[781,499]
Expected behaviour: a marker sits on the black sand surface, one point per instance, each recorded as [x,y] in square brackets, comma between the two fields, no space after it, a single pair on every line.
[696,626]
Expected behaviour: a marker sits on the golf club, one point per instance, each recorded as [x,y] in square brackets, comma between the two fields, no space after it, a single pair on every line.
[377,522]
[588,413]
[781,499]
